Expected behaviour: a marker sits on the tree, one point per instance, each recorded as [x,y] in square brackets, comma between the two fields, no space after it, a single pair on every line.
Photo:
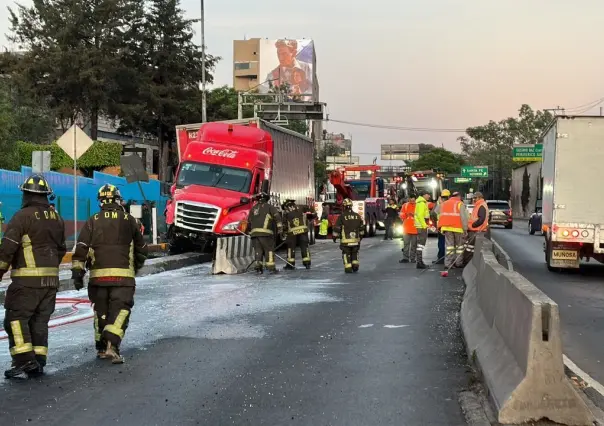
[298,126]
[76,54]
[526,190]
[169,72]
[222,104]
[491,144]
[439,158]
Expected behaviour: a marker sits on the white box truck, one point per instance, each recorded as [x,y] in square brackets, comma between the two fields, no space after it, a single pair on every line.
[573,218]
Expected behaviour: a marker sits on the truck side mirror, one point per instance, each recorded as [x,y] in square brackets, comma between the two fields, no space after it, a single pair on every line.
[265,186]
[244,200]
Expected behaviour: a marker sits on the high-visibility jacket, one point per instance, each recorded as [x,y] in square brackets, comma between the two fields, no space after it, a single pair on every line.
[422,213]
[474,217]
[450,216]
[407,216]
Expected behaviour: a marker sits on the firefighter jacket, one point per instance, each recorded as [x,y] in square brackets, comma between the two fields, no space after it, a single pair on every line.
[408,218]
[111,246]
[422,213]
[391,211]
[350,228]
[295,220]
[479,219]
[264,220]
[34,245]
[453,216]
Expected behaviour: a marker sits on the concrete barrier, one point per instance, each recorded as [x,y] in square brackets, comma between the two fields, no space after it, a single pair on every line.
[233,255]
[512,332]
[152,266]
[501,256]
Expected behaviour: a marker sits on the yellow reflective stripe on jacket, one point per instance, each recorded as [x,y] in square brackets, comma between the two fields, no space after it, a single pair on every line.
[35,272]
[298,229]
[131,256]
[350,240]
[451,229]
[112,272]
[20,346]
[28,251]
[262,230]
[267,220]
[4,265]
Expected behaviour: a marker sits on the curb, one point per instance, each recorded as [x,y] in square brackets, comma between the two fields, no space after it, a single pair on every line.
[152,266]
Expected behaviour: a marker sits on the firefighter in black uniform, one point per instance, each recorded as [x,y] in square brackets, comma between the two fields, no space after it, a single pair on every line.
[296,222]
[350,229]
[263,224]
[34,246]
[391,212]
[111,246]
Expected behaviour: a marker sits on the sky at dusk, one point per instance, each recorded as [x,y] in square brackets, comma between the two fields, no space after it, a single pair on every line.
[437,63]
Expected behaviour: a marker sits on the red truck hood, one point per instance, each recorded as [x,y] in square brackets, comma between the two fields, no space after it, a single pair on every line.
[204,194]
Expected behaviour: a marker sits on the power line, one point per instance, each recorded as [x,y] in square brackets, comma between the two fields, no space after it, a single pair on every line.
[400,128]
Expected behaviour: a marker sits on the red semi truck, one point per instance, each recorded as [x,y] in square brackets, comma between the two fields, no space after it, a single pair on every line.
[222,165]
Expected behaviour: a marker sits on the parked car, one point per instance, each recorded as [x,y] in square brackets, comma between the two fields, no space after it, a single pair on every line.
[534,222]
[500,213]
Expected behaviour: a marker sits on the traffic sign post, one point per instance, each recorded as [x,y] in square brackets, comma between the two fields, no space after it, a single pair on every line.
[527,152]
[474,171]
[462,180]
[75,143]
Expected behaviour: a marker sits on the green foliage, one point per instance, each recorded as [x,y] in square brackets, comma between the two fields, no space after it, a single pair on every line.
[100,155]
[526,190]
[222,105]
[439,158]
[298,126]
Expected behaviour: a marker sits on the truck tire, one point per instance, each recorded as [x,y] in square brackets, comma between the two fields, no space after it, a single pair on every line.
[311,235]
[530,228]
[548,255]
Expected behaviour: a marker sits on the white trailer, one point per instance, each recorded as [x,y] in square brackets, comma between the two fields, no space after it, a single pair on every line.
[573,210]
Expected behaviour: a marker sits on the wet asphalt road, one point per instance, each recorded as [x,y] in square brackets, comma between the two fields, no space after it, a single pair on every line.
[319,347]
[580,296]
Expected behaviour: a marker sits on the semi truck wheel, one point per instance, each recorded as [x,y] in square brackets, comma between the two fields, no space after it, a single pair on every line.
[311,235]
[548,256]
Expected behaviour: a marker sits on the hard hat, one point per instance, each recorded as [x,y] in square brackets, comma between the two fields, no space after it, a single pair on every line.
[36,184]
[347,202]
[445,193]
[456,194]
[109,194]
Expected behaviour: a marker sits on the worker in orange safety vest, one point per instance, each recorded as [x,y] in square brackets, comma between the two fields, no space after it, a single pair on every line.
[479,223]
[453,222]
[409,231]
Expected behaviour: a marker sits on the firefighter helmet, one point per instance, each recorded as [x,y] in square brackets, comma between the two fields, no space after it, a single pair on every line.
[446,193]
[347,203]
[109,194]
[36,184]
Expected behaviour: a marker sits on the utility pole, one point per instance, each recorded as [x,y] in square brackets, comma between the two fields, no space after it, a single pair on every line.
[204,116]
[600,111]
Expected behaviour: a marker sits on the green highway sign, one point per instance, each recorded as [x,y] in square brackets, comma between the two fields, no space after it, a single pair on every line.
[462,180]
[527,152]
[474,171]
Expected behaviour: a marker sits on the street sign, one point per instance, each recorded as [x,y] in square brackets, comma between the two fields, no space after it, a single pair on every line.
[462,180]
[40,161]
[527,152]
[75,142]
[474,171]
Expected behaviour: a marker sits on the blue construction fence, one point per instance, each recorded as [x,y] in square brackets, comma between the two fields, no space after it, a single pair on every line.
[62,185]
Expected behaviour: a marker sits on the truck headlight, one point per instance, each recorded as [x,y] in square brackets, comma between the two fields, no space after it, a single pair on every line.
[233,226]
[399,229]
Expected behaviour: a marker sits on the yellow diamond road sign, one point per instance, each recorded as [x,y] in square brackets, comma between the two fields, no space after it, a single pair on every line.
[75,142]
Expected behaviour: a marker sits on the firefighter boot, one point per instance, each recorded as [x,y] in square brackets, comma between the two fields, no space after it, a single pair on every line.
[306,264]
[40,370]
[30,367]
[259,268]
[355,267]
[113,353]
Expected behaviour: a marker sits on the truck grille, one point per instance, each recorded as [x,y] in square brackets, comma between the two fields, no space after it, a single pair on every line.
[196,216]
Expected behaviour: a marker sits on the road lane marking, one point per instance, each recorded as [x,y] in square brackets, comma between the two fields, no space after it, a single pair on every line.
[395,326]
[593,383]
[365,325]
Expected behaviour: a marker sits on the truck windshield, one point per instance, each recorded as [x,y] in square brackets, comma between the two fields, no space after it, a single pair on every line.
[361,189]
[212,175]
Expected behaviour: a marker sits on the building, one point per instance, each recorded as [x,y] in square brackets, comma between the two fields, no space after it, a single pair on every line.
[262,64]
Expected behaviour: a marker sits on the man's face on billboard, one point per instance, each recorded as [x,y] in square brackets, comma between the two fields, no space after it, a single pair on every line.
[286,56]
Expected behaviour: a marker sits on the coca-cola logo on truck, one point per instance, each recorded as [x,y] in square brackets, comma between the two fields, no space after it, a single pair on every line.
[228,153]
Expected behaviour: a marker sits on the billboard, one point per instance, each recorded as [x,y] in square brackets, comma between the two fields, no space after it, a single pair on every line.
[404,152]
[288,64]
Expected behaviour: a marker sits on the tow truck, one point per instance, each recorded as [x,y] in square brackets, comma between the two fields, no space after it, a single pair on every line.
[367,197]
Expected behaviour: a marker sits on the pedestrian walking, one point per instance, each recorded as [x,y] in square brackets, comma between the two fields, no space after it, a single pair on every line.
[478,224]
[33,246]
[112,248]
[295,219]
[264,224]
[421,216]
[440,257]
[454,224]
[407,215]
[350,229]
